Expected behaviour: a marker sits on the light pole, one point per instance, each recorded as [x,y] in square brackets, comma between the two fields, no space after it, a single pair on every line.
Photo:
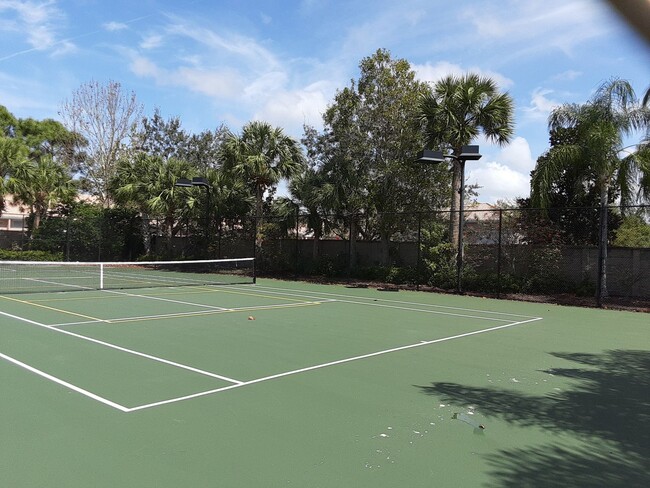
[467,153]
[202,182]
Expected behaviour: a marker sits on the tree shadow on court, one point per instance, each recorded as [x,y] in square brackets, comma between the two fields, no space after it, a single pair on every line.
[608,408]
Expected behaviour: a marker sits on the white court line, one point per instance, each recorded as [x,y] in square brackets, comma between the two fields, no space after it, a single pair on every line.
[197,313]
[374,303]
[300,293]
[68,285]
[61,382]
[124,349]
[201,305]
[331,363]
[410,309]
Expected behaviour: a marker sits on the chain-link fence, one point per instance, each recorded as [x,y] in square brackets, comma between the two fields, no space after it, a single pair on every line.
[504,251]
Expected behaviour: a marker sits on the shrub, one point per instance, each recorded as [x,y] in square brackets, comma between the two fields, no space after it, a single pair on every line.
[7,255]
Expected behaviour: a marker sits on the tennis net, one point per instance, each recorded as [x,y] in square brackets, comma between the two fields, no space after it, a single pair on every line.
[53,276]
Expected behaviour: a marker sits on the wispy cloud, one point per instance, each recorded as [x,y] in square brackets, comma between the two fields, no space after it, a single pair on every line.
[114,26]
[233,45]
[437,71]
[540,105]
[536,26]
[568,75]
[40,22]
[152,41]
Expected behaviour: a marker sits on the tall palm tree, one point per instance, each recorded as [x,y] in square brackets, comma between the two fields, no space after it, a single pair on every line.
[261,156]
[596,156]
[455,112]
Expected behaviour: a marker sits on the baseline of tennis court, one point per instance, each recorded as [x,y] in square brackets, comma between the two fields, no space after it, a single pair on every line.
[94,325]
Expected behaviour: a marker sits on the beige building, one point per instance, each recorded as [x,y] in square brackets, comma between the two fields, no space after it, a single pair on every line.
[14,218]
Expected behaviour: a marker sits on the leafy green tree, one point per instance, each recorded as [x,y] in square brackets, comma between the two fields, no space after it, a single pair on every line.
[456,111]
[35,159]
[595,157]
[159,137]
[167,139]
[12,152]
[369,143]
[261,155]
[633,232]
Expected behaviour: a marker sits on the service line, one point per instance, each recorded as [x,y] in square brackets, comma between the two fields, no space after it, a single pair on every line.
[331,363]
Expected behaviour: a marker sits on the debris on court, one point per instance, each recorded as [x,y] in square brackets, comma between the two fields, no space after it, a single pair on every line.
[465,417]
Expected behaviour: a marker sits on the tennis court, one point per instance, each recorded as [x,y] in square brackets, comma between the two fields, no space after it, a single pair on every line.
[293,384]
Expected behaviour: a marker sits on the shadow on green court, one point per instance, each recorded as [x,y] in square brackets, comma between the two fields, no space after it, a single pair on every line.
[607,411]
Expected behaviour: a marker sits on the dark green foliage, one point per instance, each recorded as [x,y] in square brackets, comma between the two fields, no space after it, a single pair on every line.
[633,232]
[86,232]
[11,255]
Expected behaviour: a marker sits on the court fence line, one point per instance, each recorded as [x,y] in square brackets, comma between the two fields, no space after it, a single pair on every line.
[506,251]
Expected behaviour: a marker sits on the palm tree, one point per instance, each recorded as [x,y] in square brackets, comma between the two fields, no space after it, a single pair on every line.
[596,155]
[455,112]
[40,185]
[261,156]
[314,193]
[148,183]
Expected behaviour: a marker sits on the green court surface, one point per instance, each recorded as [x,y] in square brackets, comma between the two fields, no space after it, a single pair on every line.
[288,384]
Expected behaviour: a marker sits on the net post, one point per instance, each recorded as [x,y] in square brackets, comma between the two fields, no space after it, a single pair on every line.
[101,276]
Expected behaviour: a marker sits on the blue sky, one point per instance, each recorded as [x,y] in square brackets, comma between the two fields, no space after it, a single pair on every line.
[229,61]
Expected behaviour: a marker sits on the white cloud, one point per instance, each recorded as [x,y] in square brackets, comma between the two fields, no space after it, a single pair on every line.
[243,49]
[144,67]
[292,109]
[537,26]
[504,175]
[115,26]
[540,105]
[151,42]
[40,21]
[434,72]
[498,182]
[63,48]
[517,156]
[568,75]
[216,83]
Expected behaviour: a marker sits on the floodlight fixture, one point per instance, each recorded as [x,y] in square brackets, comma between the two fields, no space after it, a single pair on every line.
[183,183]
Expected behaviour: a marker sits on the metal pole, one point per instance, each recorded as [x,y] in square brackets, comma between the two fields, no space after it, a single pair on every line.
[297,240]
[219,236]
[461,209]
[418,266]
[255,250]
[207,219]
[499,254]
